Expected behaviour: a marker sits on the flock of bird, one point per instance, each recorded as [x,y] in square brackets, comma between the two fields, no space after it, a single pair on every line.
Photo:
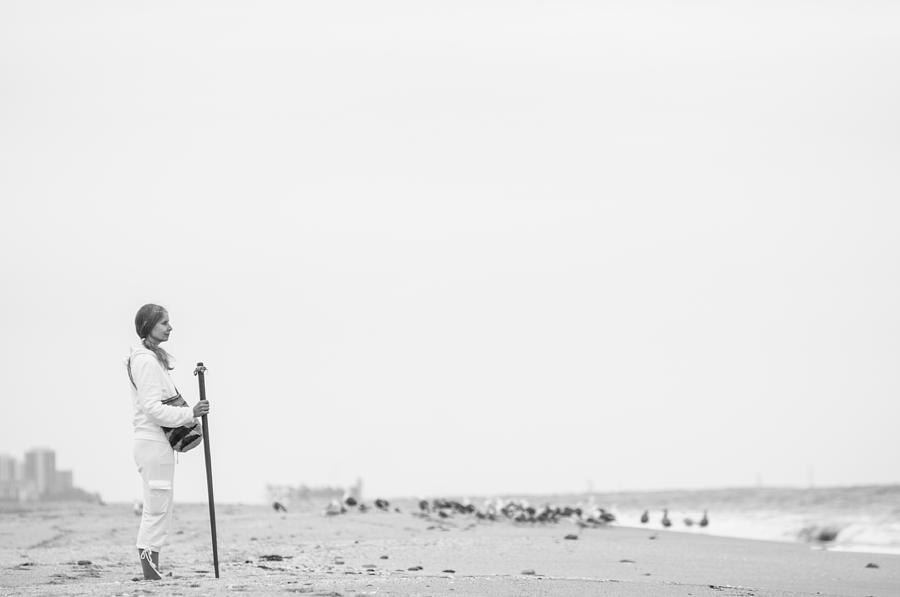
[667,522]
[336,507]
[519,511]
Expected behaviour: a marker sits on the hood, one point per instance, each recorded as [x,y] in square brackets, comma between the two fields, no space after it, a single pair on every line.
[136,349]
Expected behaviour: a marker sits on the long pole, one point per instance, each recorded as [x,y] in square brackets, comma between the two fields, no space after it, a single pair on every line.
[199,371]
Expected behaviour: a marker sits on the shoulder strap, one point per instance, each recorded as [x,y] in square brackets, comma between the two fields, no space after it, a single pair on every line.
[129,374]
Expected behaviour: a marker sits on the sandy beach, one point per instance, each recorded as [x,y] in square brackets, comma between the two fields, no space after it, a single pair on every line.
[88,550]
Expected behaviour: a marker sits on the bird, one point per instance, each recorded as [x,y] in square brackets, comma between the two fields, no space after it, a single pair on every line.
[665,519]
[278,507]
[705,520]
[645,517]
[607,516]
[581,524]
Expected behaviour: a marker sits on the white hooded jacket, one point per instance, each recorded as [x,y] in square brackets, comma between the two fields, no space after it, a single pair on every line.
[152,385]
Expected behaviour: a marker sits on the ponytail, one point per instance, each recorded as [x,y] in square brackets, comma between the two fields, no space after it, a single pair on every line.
[161,355]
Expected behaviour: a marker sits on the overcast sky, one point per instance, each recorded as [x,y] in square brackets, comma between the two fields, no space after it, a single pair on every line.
[460,247]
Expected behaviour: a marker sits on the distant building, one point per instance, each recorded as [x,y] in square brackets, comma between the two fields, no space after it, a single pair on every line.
[40,469]
[9,478]
[8,466]
[63,482]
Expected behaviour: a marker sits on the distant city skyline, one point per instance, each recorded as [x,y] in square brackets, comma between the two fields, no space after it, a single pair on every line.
[36,477]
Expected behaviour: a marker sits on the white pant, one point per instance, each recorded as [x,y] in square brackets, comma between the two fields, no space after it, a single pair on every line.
[156,465]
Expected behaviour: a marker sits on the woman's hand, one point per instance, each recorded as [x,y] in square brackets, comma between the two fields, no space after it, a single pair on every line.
[201,408]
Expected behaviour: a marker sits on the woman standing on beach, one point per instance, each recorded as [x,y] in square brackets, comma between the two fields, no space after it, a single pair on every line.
[148,367]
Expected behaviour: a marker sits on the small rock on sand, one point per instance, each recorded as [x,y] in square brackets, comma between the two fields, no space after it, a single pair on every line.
[571,536]
[871,565]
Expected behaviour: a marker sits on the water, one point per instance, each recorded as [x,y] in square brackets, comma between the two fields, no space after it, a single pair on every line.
[865,518]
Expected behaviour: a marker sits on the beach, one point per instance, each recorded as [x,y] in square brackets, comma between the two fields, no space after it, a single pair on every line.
[88,549]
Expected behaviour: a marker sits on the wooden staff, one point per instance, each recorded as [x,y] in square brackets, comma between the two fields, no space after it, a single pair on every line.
[209,482]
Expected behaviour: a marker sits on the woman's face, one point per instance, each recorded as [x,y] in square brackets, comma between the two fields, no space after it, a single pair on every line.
[162,329]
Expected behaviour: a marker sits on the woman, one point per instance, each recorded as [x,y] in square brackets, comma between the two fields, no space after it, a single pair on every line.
[148,367]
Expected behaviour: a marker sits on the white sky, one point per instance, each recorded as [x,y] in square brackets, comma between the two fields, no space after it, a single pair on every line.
[459,247]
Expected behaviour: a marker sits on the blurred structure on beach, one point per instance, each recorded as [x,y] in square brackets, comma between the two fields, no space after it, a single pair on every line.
[288,494]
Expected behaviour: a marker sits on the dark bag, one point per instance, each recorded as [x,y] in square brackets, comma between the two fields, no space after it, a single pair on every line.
[184,438]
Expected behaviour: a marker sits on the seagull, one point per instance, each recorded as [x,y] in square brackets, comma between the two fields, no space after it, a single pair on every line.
[665,519]
[581,524]
[278,507]
[645,517]
[705,520]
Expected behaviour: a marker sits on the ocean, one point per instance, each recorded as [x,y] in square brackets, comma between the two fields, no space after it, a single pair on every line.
[862,518]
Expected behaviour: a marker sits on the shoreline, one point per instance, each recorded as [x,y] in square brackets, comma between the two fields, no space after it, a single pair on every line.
[873,550]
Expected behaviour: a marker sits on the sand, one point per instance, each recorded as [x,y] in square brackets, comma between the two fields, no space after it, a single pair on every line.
[88,549]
